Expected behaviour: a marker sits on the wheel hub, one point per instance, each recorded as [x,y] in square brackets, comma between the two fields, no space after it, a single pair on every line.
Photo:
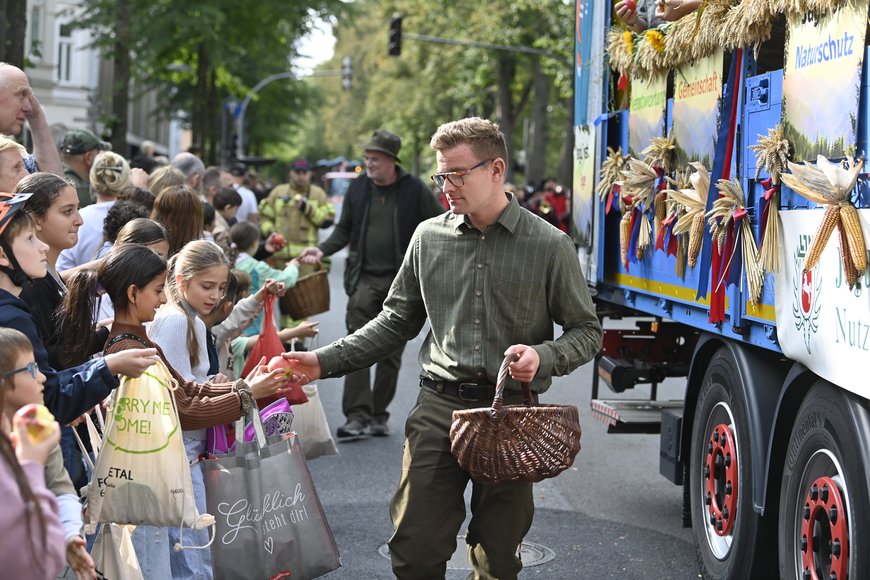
[720,480]
[824,540]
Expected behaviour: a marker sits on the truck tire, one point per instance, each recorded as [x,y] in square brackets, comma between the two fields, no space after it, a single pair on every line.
[824,496]
[725,526]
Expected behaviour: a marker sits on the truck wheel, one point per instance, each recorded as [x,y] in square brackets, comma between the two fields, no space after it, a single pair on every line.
[724,524]
[824,495]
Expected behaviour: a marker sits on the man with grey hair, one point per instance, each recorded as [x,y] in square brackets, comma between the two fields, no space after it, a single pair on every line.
[192,167]
[17,105]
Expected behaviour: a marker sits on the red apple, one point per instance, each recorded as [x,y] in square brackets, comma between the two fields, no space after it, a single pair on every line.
[279,362]
[630,4]
[38,420]
[278,241]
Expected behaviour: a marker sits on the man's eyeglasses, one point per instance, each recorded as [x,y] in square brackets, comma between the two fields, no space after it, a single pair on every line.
[455,177]
[31,368]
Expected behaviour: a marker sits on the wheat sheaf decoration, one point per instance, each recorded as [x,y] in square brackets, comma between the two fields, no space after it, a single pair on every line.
[637,190]
[610,174]
[667,240]
[831,184]
[694,203]
[731,230]
[620,47]
[772,156]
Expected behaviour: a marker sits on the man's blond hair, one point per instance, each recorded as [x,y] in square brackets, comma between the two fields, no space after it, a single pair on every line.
[483,137]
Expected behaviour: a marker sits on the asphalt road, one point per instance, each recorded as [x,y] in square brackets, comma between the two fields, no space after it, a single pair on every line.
[610,516]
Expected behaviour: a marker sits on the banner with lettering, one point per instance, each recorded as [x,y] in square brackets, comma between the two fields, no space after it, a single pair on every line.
[697,95]
[647,119]
[822,81]
[142,475]
[269,520]
[589,67]
[583,199]
[820,322]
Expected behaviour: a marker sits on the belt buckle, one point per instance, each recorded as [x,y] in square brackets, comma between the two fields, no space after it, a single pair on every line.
[462,394]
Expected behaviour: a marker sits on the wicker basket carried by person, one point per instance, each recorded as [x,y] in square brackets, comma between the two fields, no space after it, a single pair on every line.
[527,442]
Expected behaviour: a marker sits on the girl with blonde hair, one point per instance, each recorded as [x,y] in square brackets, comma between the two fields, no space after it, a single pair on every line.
[110,174]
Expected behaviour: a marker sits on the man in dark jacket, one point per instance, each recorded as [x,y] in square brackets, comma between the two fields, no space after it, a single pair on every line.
[381,210]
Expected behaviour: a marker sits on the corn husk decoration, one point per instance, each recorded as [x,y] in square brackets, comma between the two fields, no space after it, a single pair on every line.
[749,24]
[674,244]
[610,174]
[620,47]
[694,203]
[831,185]
[638,184]
[660,152]
[772,153]
[729,215]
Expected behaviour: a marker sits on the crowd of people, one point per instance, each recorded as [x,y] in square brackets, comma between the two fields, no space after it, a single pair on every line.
[109,264]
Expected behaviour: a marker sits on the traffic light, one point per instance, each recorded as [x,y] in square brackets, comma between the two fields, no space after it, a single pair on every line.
[347,73]
[395,44]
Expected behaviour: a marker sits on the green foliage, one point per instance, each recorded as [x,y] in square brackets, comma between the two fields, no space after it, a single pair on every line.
[430,84]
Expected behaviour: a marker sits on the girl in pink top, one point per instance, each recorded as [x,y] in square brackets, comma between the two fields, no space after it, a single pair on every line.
[33,545]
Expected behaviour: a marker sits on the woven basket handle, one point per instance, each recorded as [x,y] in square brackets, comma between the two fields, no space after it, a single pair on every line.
[498,401]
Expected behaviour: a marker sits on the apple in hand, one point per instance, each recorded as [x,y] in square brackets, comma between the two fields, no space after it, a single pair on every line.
[278,241]
[279,362]
[630,4]
[38,420]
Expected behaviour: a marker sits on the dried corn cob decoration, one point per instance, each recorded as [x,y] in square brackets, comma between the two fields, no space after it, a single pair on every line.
[624,237]
[849,270]
[730,209]
[611,172]
[682,247]
[850,223]
[660,152]
[823,233]
[694,201]
[660,211]
[831,185]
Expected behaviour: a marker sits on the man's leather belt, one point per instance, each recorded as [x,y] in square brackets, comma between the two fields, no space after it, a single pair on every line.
[467,391]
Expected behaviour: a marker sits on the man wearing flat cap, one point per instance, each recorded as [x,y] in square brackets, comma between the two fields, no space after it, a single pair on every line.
[79,149]
[381,210]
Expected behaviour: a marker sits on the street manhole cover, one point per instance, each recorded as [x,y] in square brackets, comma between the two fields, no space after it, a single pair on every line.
[531,554]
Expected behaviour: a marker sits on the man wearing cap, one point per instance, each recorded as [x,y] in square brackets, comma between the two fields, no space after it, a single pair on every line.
[79,149]
[296,210]
[381,210]
[18,104]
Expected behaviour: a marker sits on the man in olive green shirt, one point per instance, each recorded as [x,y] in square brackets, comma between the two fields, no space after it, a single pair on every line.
[491,278]
[79,149]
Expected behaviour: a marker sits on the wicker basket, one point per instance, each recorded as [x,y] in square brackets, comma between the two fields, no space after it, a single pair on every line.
[308,297]
[515,442]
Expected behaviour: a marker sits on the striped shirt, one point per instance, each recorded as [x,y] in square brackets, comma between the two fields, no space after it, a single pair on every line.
[482,293]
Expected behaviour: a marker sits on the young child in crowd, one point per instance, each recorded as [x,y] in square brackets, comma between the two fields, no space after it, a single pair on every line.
[21,384]
[72,392]
[33,545]
[109,175]
[134,278]
[245,238]
[179,210]
[226,204]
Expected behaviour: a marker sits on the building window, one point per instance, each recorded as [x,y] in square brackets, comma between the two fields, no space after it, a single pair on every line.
[36,32]
[64,53]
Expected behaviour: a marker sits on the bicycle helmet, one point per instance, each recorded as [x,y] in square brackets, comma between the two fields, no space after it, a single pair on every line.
[10,205]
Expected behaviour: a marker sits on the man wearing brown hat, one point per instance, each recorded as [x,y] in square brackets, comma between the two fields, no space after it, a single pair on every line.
[381,210]
[79,149]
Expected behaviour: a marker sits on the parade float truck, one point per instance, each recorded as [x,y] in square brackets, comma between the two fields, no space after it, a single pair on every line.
[720,189]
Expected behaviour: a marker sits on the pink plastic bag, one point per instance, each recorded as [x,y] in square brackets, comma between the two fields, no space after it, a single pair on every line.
[277,418]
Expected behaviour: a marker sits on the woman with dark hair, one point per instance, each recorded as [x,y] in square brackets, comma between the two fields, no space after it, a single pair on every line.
[179,210]
[119,214]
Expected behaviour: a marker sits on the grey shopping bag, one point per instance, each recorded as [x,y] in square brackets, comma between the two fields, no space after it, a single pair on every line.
[270,523]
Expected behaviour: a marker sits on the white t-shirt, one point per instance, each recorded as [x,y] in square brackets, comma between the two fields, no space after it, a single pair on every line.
[90,237]
[249,203]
